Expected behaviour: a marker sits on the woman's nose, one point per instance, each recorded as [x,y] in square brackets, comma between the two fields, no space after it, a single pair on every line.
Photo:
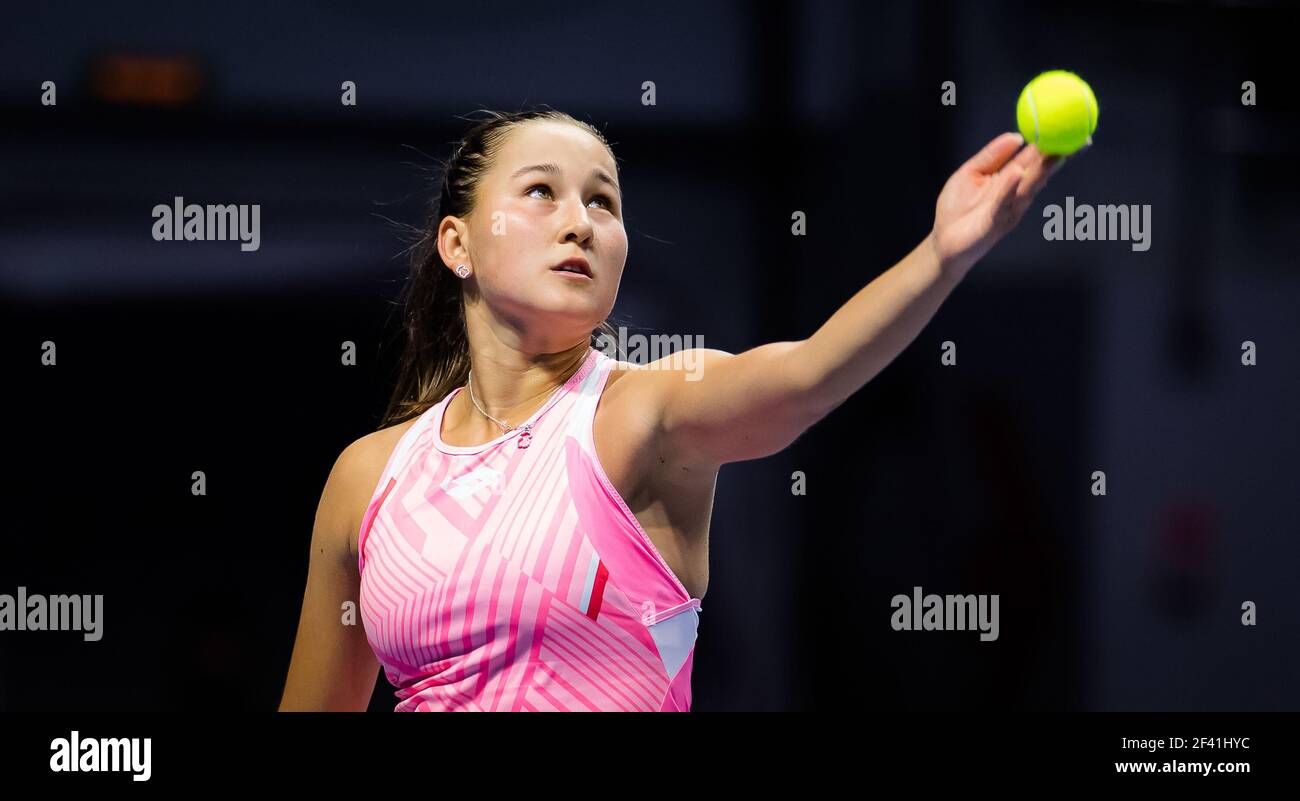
[578,224]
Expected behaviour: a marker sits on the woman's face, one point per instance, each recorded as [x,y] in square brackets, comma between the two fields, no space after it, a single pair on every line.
[527,221]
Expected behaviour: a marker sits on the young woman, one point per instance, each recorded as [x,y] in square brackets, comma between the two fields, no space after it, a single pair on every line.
[528,530]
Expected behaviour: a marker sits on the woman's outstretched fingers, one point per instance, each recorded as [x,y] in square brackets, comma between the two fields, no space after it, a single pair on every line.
[995,153]
[1027,156]
[1035,176]
[1004,200]
[1035,179]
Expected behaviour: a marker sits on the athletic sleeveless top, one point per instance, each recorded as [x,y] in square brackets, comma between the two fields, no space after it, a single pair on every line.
[511,576]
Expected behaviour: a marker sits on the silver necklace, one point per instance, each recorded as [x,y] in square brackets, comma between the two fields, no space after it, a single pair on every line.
[524,438]
[470,383]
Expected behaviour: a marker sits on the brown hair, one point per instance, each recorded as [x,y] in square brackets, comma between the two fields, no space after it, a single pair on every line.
[435,352]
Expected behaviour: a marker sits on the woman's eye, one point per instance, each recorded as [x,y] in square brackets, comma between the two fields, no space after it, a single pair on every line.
[609,204]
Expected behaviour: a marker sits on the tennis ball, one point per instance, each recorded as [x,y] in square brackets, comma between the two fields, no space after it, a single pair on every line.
[1057,111]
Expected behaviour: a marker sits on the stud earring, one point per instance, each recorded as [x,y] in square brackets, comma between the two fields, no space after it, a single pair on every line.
[462,270]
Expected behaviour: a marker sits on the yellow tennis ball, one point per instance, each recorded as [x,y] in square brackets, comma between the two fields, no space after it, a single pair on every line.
[1057,111]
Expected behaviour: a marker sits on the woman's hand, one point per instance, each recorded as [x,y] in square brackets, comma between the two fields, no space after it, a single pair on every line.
[985,199]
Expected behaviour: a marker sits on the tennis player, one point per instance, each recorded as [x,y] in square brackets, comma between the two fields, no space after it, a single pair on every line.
[528,529]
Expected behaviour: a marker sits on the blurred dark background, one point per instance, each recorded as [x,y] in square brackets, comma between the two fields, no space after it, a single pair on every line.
[974,478]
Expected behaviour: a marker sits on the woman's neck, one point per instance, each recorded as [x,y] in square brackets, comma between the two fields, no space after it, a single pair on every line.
[511,386]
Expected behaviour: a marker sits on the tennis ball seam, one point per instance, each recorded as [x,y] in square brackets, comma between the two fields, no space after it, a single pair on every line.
[1033,110]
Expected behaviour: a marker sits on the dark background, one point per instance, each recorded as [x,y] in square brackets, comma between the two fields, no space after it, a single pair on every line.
[974,478]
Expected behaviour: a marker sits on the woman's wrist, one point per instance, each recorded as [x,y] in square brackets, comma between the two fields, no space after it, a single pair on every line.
[945,266]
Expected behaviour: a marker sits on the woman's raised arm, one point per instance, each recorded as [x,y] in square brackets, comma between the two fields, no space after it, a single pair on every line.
[753,404]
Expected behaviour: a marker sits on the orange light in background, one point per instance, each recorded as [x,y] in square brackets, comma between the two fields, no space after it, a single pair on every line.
[156,80]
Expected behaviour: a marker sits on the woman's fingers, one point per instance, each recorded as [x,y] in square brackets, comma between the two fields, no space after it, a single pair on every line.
[1036,174]
[1027,156]
[1040,170]
[995,154]
[1010,178]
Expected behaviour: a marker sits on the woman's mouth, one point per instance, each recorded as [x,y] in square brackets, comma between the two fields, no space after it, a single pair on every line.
[575,268]
[572,275]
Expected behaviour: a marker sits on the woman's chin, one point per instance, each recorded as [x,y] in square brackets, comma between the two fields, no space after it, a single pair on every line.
[571,304]
[567,314]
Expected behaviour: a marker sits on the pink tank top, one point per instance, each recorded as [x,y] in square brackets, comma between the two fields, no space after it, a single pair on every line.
[511,575]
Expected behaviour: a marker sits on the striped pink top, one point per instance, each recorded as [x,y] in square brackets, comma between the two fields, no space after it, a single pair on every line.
[511,576]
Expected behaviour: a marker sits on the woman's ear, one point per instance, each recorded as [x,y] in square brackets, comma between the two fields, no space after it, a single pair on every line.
[453,242]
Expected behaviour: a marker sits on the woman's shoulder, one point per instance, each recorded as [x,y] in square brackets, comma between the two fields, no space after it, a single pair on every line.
[378,445]
[646,385]
[359,467]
